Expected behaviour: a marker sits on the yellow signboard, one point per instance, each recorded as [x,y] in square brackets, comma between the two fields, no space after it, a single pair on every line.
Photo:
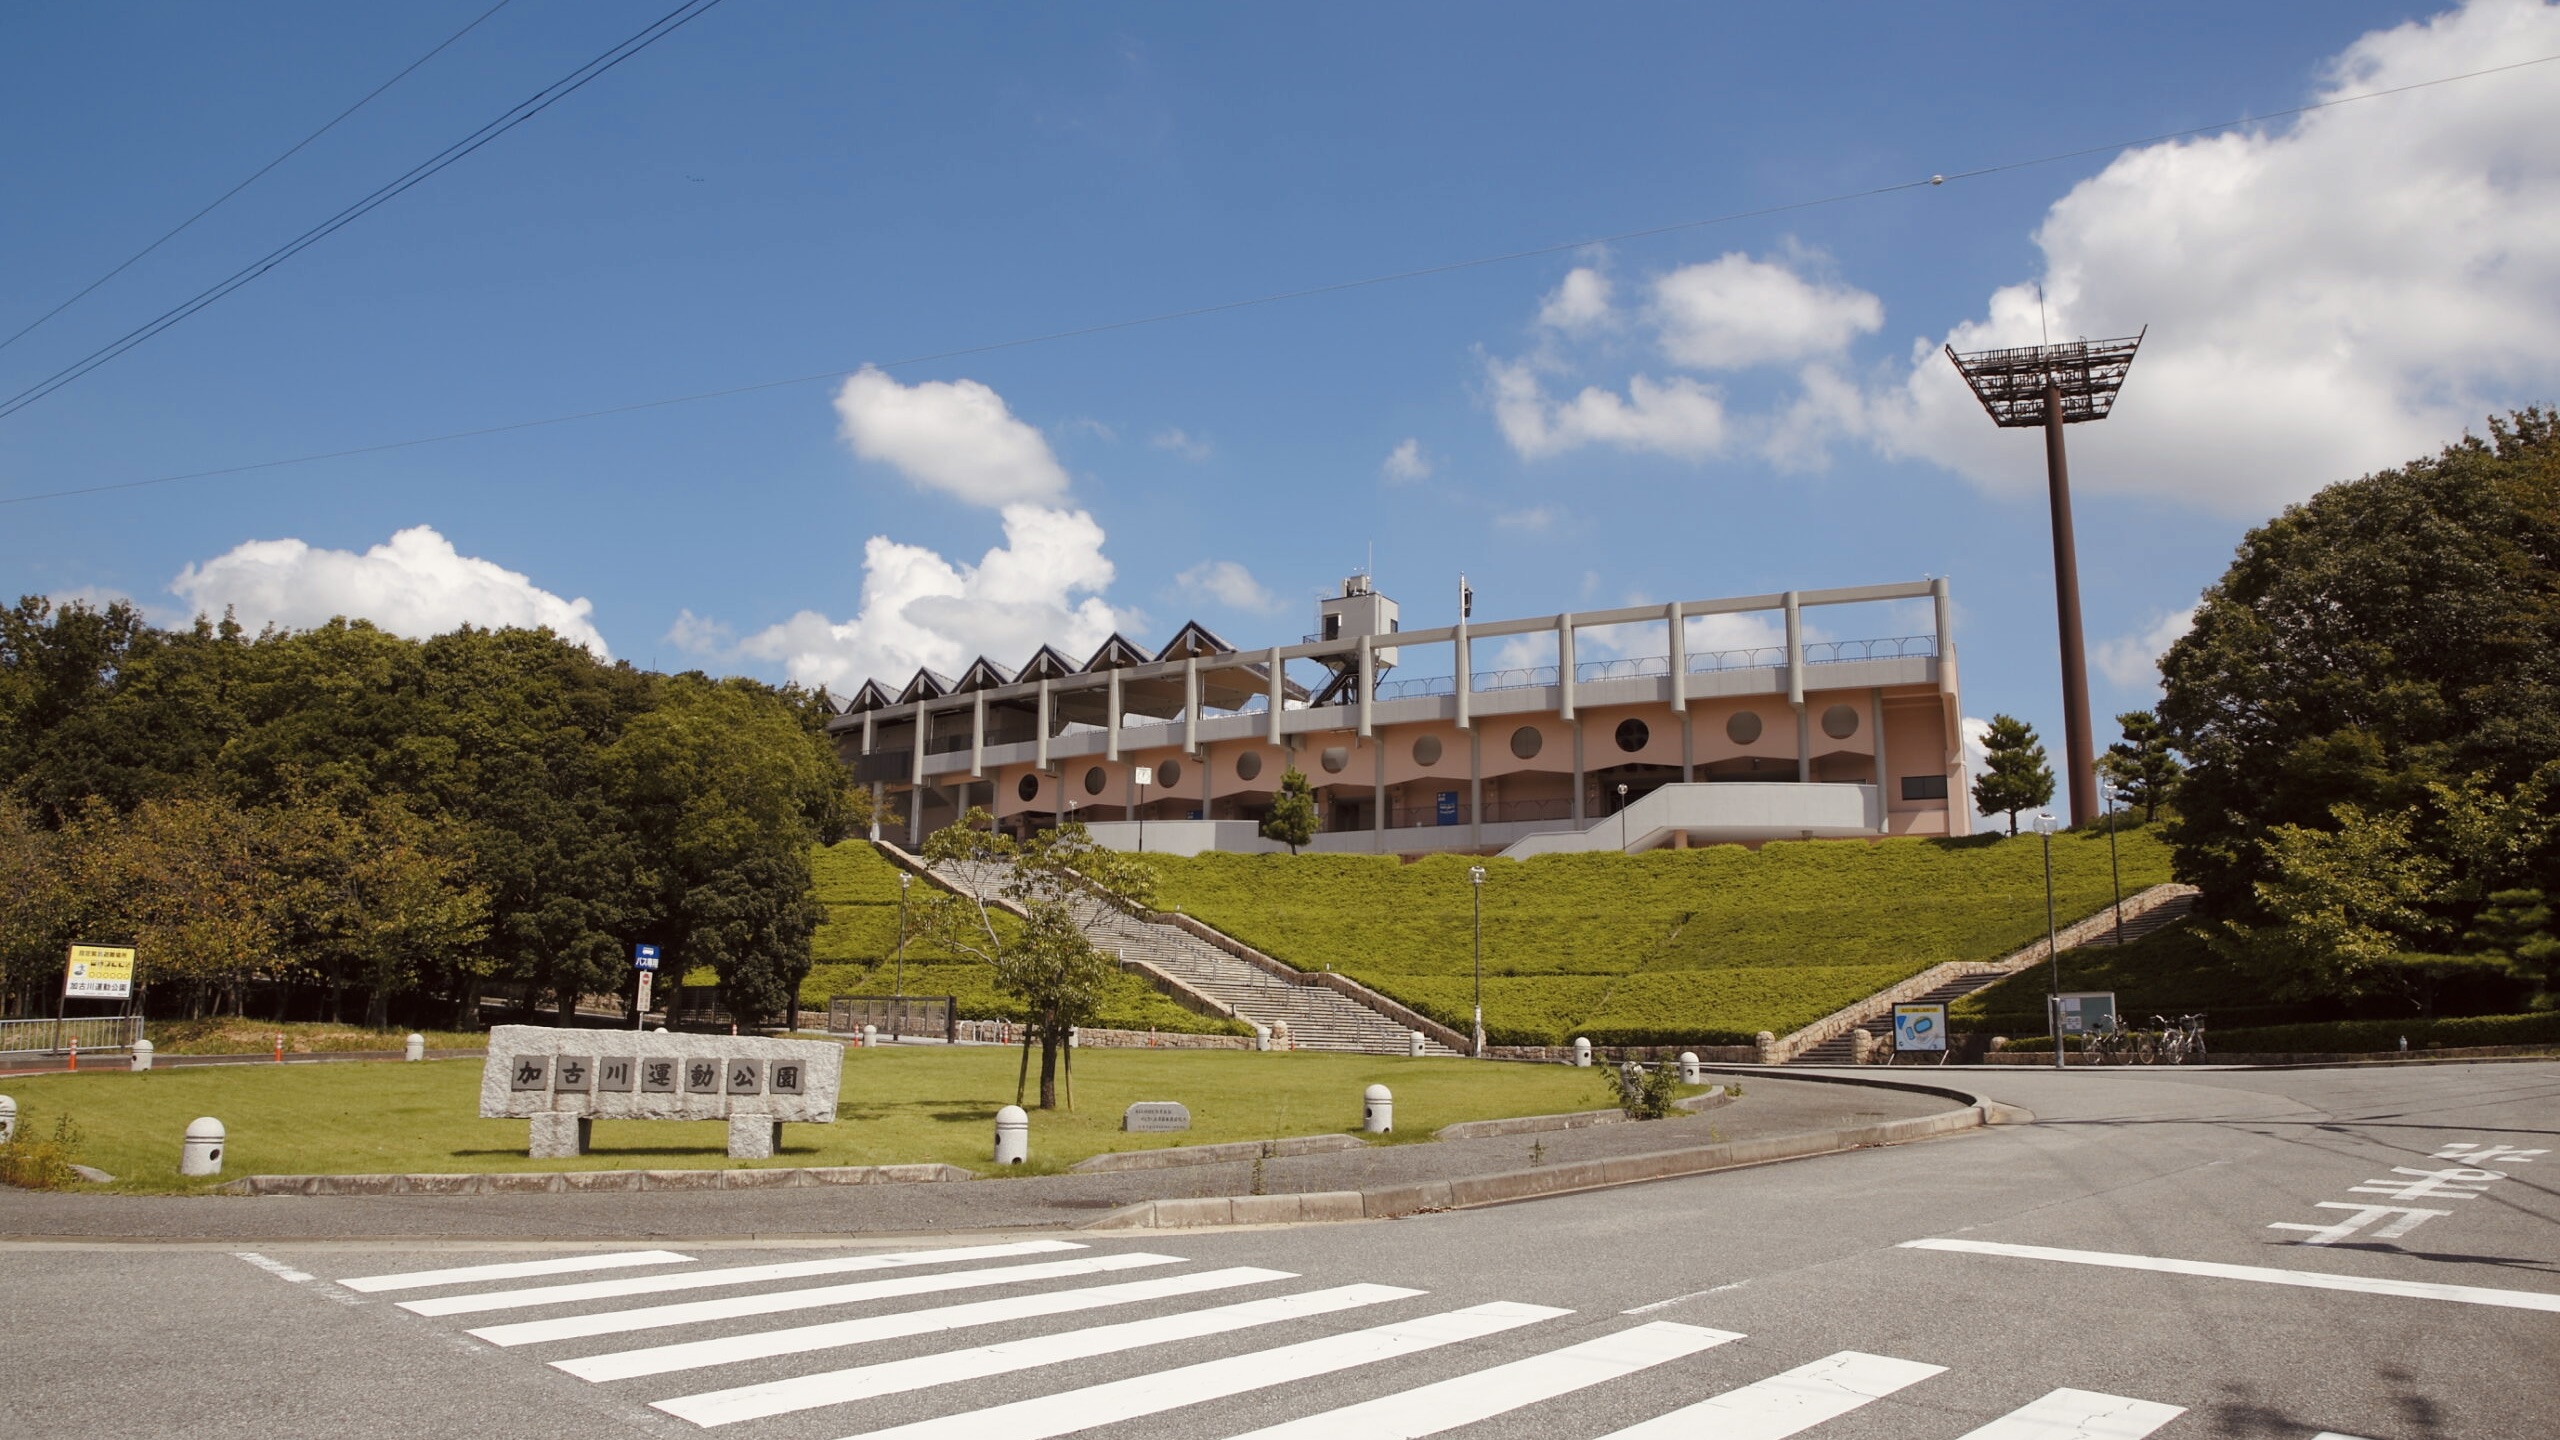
[99,972]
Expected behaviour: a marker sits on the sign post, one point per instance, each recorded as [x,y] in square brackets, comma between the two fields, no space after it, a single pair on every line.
[1144,775]
[644,959]
[95,972]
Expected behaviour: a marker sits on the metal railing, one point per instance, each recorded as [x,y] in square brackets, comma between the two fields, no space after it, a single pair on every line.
[1831,652]
[894,1015]
[54,1037]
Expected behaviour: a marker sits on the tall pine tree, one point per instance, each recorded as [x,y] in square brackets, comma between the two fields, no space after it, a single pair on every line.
[2015,775]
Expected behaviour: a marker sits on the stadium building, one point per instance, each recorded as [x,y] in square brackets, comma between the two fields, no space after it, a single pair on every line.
[1412,748]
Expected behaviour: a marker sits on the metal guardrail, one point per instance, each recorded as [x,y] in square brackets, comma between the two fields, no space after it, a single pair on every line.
[895,1015]
[99,1033]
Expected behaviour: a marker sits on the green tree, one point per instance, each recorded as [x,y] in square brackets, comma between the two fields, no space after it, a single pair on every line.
[2015,775]
[2516,925]
[2391,645]
[2342,902]
[2143,765]
[1024,907]
[1292,821]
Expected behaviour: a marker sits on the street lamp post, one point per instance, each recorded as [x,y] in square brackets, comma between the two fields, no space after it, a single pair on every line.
[2115,870]
[1475,881]
[1143,775]
[1624,839]
[2052,952]
[900,988]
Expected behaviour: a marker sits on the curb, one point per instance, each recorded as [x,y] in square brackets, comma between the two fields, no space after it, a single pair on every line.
[563,1182]
[1393,1201]
[1173,1156]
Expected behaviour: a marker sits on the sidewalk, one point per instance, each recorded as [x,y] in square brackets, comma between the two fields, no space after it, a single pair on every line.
[1769,1108]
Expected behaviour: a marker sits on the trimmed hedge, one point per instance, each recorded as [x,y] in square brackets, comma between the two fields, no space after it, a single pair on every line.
[1673,946]
[2169,972]
[2359,1037]
[856,949]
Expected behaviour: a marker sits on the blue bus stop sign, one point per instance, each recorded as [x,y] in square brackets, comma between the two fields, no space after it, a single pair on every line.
[644,957]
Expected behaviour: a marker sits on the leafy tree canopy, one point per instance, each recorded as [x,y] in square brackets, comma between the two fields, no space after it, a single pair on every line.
[2015,774]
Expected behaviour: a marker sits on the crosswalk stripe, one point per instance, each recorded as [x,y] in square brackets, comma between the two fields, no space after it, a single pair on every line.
[861,1382]
[1789,1403]
[729,1349]
[817,1297]
[488,1300]
[516,1269]
[1050,1415]
[1465,1399]
[2079,1415]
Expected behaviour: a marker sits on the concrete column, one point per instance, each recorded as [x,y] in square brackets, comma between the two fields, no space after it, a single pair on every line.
[1564,676]
[1475,787]
[1465,683]
[978,737]
[1795,688]
[1278,680]
[1804,747]
[1946,637]
[1368,683]
[1577,774]
[1688,749]
[868,730]
[1378,825]
[1191,706]
[924,732]
[879,797]
[1111,737]
[1679,653]
[1040,755]
[1208,784]
[1884,772]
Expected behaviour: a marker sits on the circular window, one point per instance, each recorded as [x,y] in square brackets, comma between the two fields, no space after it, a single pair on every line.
[1632,735]
[1169,774]
[1426,751]
[1333,759]
[1526,742]
[1248,765]
[1840,721]
[1742,727]
[1029,789]
[1094,780]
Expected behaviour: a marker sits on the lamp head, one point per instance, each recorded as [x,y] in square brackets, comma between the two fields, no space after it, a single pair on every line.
[1475,875]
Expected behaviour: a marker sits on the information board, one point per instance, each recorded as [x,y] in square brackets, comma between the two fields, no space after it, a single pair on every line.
[1919,1027]
[2086,1011]
[99,972]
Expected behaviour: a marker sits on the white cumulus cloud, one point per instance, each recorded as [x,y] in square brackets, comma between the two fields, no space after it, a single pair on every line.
[1675,416]
[1406,463]
[1580,303]
[955,436]
[2326,298]
[1041,586]
[414,584]
[1181,442]
[1733,312]
[2133,661]
[1228,583]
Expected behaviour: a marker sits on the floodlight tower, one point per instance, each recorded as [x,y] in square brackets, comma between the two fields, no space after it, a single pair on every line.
[2053,386]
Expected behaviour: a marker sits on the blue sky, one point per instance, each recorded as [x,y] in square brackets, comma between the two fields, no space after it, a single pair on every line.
[785,188]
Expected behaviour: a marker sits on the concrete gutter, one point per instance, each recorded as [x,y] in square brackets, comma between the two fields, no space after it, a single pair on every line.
[564,1182]
[1393,1201]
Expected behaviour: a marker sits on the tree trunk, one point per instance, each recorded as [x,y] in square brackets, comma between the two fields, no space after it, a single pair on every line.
[568,1004]
[1022,1076]
[1049,1042]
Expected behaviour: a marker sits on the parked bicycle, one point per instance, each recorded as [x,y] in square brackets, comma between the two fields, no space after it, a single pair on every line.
[2181,1039]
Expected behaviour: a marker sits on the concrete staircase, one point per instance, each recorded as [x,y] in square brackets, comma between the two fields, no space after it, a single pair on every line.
[1840,1049]
[1318,1018]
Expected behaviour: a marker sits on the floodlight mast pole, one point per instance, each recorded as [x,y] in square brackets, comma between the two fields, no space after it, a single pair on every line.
[2078,749]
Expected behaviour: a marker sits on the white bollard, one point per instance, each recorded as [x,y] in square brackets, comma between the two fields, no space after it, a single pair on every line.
[1581,1053]
[1280,1036]
[8,1119]
[141,1054]
[1073,1031]
[1377,1110]
[1690,1074]
[415,1049]
[201,1153]
[1417,1044]
[870,1036]
[1261,1037]
[1013,1136]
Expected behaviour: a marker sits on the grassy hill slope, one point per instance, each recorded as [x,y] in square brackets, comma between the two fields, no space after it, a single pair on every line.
[1705,946]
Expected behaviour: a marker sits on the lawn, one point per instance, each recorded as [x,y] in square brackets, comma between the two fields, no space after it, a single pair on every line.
[901,1105]
[1674,946]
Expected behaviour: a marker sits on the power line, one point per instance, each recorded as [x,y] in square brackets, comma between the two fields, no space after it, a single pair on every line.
[522,111]
[254,176]
[1273,298]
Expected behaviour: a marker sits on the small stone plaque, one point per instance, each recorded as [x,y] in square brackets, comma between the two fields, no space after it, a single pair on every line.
[1156,1117]
[746,1077]
[616,1072]
[790,1077]
[573,1073]
[530,1072]
[658,1077]
[702,1077]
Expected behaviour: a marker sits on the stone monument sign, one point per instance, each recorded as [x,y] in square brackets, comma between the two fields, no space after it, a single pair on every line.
[1155,1117]
[564,1080]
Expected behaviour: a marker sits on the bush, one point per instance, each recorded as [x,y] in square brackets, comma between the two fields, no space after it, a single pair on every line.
[1670,947]
[1645,1094]
[33,1164]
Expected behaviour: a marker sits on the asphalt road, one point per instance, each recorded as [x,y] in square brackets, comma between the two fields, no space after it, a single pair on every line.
[2139,1261]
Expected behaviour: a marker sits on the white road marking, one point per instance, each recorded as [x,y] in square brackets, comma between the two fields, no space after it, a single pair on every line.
[2470,1153]
[277,1268]
[2334,1435]
[515,1270]
[799,1340]
[706,1279]
[2262,1274]
[1046,1416]
[835,1387]
[2079,1415]
[2458,1183]
[1676,1299]
[2410,1219]
[1465,1399]
[1789,1403]
[734,1307]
